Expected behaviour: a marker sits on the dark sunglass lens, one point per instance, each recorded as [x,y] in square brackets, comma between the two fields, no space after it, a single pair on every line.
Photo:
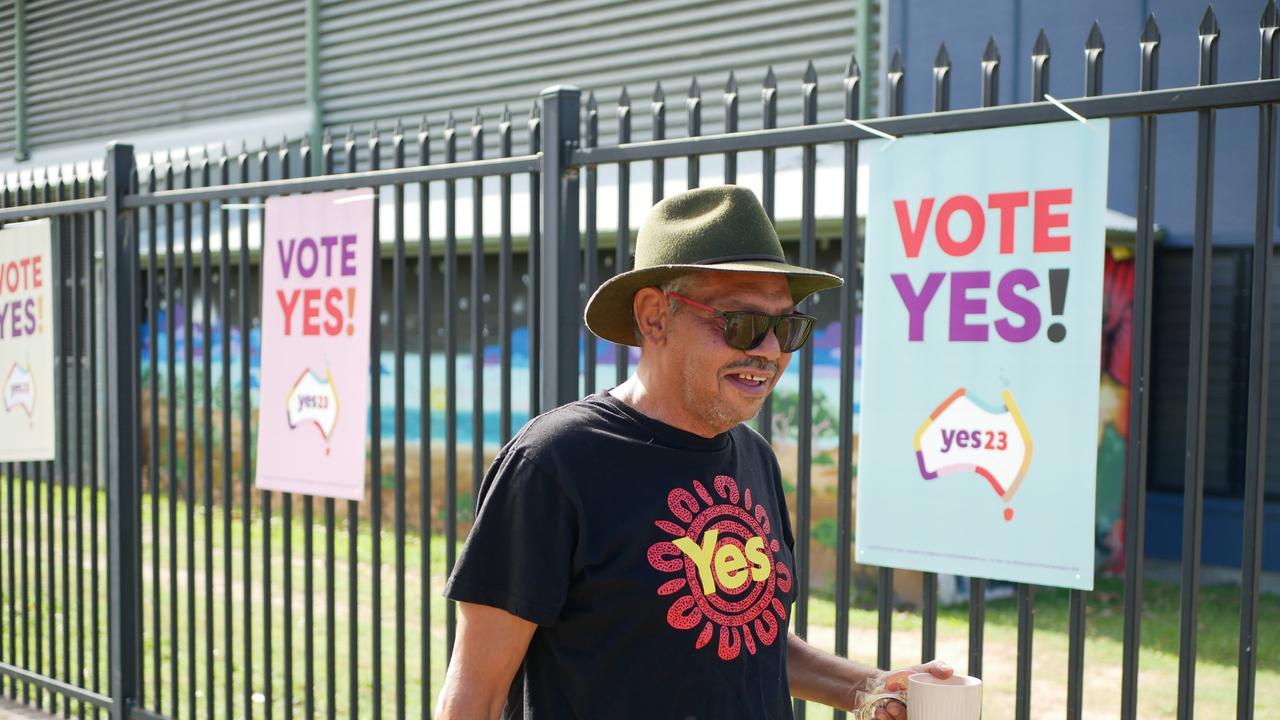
[793,332]
[745,331]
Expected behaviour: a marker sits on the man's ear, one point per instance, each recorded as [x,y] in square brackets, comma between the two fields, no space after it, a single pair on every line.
[652,313]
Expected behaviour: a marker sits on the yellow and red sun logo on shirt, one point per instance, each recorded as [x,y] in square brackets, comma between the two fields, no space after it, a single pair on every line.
[727,572]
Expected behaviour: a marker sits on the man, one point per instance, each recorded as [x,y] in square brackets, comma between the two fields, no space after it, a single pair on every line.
[632,553]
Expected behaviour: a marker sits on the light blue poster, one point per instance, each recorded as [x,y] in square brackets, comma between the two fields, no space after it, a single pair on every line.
[981,348]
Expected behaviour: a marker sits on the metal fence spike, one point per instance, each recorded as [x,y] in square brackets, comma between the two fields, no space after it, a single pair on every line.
[810,74]
[658,94]
[770,80]
[943,58]
[478,119]
[1151,32]
[1270,16]
[851,68]
[895,63]
[1209,23]
[592,105]
[399,129]
[1041,46]
[506,114]
[695,90]
[449,122]
[731,85]
[1094,41]
[624,100]
[991,54]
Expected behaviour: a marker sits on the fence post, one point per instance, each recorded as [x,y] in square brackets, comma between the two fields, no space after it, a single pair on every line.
[560,314]
[123,513]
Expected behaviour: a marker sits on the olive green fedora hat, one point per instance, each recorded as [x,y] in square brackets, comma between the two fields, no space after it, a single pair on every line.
[722,228]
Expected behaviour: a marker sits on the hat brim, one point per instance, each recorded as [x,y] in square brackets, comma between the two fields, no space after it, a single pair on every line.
[609,312]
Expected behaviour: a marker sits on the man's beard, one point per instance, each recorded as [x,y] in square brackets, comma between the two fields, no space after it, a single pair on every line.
[713,411]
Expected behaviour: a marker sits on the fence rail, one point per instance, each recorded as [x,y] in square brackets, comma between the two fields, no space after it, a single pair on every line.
[203,614]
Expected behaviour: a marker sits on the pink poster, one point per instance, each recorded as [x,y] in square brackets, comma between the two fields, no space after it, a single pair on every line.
[314,392]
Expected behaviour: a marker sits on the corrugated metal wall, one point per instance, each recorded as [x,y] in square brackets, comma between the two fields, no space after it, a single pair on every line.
[382,60]
[98,69]
[6,79]
[106,68]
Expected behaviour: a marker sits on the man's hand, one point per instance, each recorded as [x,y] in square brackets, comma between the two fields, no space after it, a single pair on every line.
[896,681]
[490,646]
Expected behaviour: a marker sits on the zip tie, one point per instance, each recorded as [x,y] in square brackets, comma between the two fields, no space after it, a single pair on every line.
[867,128]
[242,206]
[354,198]
[1063,107]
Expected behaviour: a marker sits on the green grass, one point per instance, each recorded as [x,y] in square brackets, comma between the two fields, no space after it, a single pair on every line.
[1216,677]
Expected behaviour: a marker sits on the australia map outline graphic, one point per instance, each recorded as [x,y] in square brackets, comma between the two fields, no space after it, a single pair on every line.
[313,399]
[967,435]
[19,389]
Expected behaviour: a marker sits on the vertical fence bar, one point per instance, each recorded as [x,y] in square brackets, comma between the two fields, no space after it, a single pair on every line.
[206,337]
[561,311]
[1259,345]
[533,313]
[929,628]
[91,293]
[424,405]
[123,521]
[730,126]
[286,499]
[83,265]
[246,485]
[264,173]
[171,436]
[693,103]
[1136,470]
[1197,373]
[590,254]
[477,312]
[884,576]
[353,527]
[287,505]
[308,581]
[1093,53]
[849,258]
[804,429]
[1026,593]
[228,570]
[188,427]
[330,542]
[67,309]
[622,251]
[399,289]
[26,605]
[505,298]
[768,160]
[375,431]
[978,586]
[451,376]
[658,110]
[153,322]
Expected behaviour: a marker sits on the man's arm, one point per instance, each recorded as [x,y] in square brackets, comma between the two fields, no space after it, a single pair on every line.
[841,683]
[490,646]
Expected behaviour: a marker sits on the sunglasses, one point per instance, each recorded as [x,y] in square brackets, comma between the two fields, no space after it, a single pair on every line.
[746,329]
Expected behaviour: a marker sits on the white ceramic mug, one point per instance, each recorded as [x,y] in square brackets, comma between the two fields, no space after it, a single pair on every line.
[959,697]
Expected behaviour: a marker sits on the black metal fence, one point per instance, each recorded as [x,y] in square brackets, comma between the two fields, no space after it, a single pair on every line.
[144,575]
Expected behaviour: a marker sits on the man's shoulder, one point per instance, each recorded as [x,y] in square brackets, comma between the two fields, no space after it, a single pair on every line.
[565,428]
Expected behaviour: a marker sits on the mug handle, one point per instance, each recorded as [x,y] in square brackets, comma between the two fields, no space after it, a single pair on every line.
[873,701]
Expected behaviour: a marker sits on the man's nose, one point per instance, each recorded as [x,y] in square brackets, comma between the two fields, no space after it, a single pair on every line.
[769,348]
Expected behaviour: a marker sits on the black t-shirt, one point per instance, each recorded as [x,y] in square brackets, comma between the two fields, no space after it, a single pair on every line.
[657,564]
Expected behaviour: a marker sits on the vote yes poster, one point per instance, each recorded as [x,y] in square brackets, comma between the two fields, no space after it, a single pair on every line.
[981,349]
[27,330]
[317,264]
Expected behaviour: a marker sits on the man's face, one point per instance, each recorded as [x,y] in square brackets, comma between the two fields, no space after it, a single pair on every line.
[722,386]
